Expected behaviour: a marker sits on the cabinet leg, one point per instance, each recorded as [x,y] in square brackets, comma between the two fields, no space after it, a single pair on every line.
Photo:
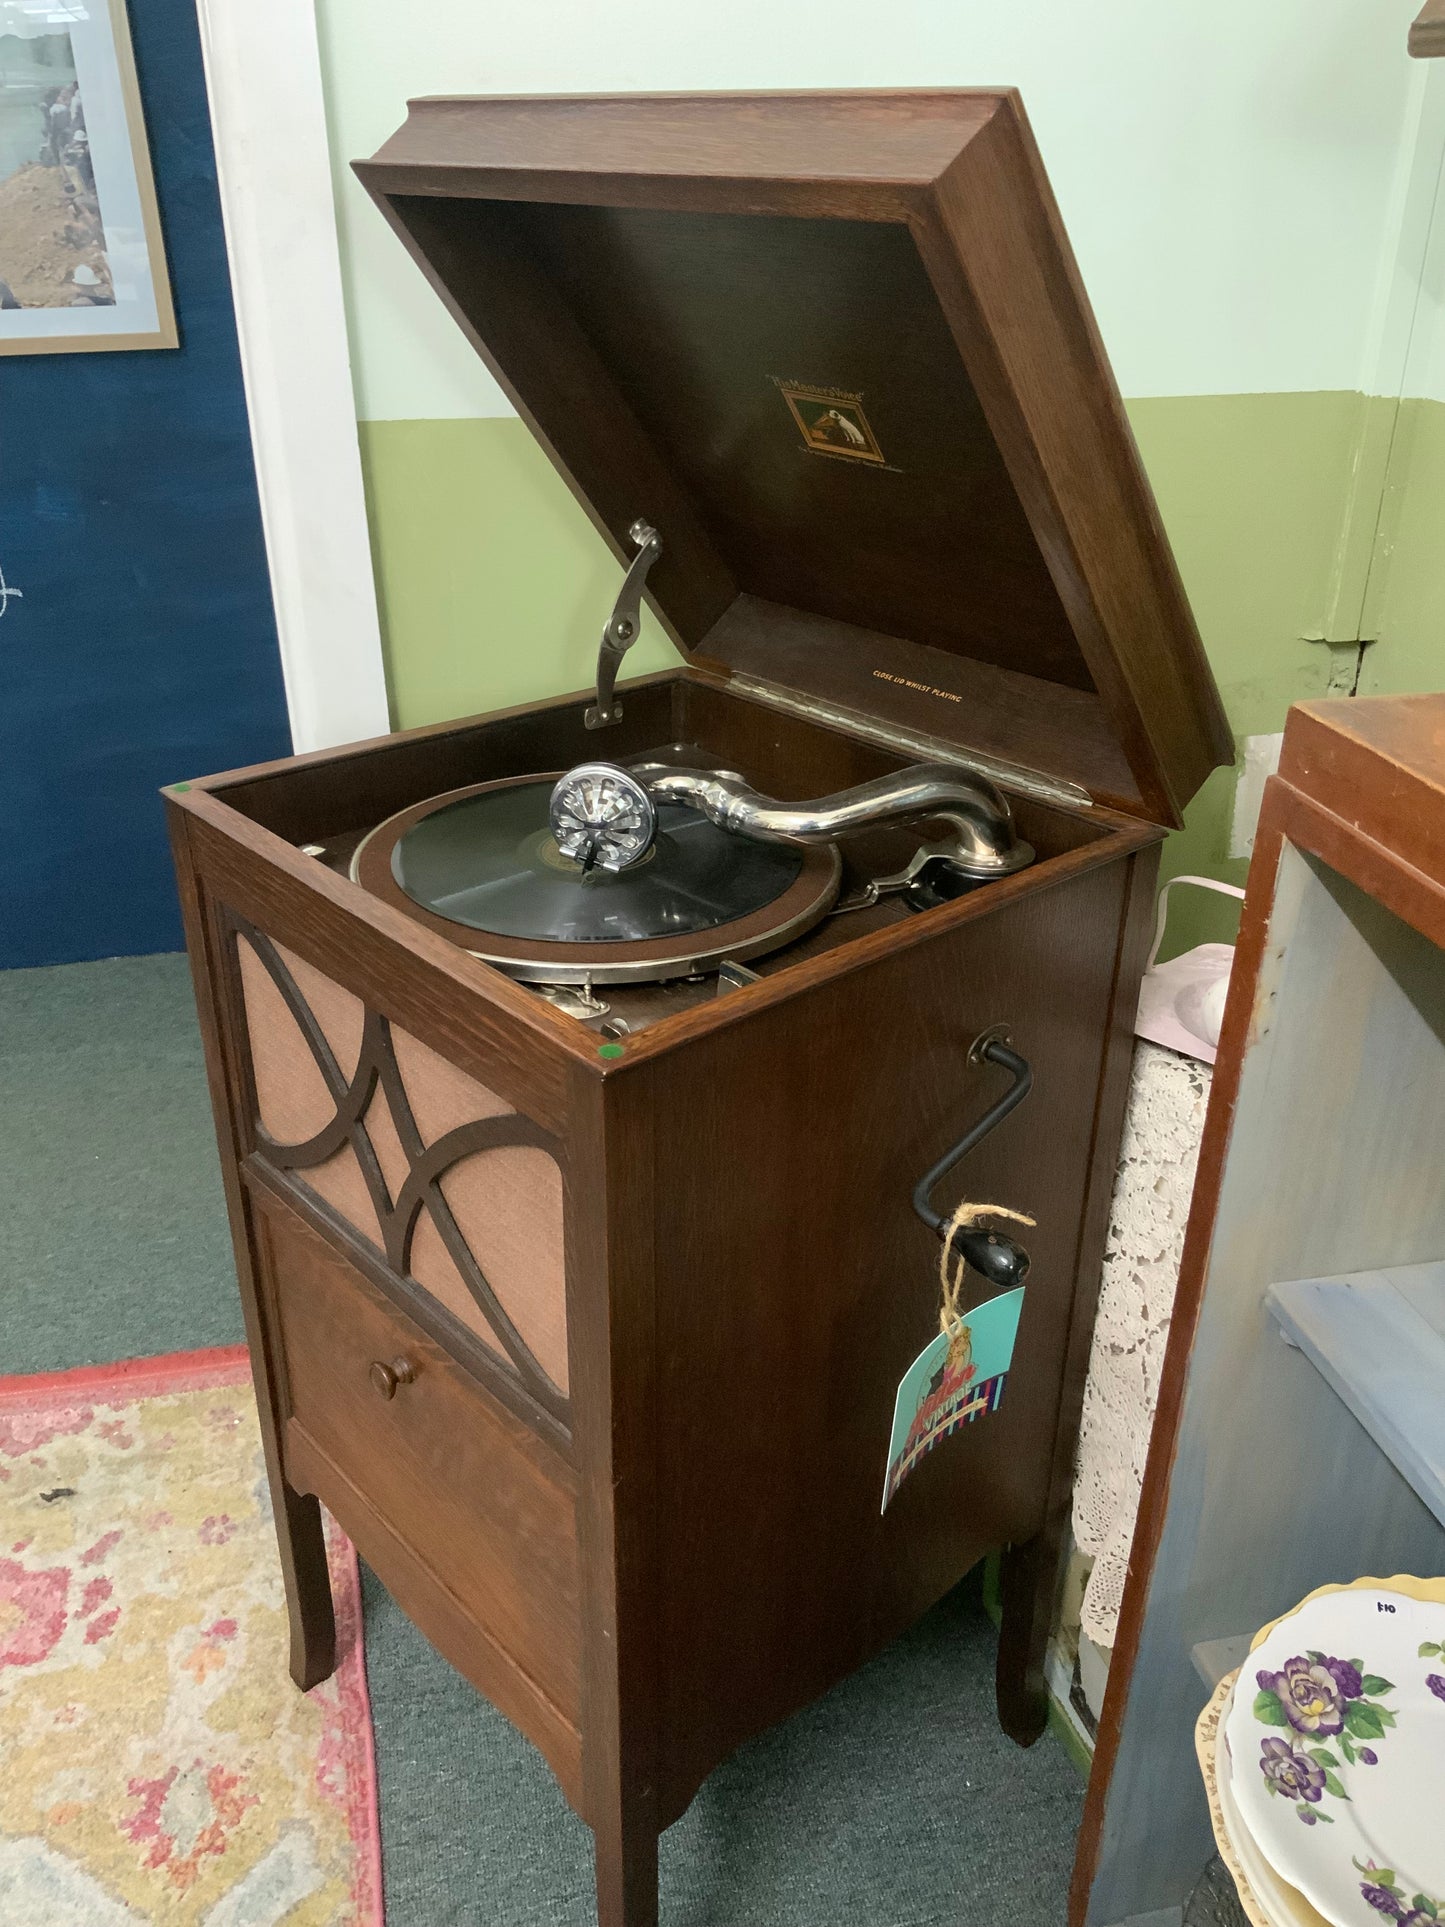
[626,1852]
[1029,1582]
[307,1580]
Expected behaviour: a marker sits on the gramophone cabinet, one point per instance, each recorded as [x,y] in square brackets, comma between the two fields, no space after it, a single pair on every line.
[588,1331]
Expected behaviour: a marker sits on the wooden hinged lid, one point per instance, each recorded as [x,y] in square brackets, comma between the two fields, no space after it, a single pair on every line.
[834,347]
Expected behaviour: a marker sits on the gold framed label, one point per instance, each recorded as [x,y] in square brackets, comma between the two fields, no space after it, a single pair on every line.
[831,422]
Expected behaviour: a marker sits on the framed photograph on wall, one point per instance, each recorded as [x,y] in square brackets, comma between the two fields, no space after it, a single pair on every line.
[81,260]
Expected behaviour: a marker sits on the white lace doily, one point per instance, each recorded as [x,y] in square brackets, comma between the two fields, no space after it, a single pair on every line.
[1167,1099]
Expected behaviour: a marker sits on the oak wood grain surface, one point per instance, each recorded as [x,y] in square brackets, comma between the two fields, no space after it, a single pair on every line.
[421,1306]
[1051,396]
[795,1293]
[305,1568]
[1380,767]
[999,711]
[1007,520]
[479,1499]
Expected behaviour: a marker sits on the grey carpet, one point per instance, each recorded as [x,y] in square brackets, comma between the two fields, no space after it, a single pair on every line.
[894,1802]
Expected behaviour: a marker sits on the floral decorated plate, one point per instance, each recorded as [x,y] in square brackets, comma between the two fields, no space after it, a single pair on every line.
[1267,1900]
[1338,1753]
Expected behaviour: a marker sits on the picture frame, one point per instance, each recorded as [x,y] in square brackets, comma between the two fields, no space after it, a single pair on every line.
[82,260]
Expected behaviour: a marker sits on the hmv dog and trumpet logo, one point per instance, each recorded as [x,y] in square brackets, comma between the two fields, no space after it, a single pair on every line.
[831,421]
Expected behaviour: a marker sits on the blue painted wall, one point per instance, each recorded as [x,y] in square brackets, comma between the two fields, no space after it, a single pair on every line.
[144,649]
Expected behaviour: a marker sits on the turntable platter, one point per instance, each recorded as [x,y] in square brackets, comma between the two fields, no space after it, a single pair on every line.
[483,866]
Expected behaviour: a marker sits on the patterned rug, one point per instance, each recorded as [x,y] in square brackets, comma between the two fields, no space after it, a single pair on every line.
[156,1763]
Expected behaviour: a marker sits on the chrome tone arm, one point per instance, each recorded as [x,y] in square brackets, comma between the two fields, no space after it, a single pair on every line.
[622,626]
[980,838]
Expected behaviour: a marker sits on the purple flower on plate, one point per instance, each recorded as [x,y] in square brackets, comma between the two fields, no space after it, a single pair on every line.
[1349,1681]
[1293,1774]
[1382,1890]
[1310,1698]
[1381,1899]
[1436,1685]
[1369,1756]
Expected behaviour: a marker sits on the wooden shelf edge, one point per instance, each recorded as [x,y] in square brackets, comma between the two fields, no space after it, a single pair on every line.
[1427,34]
[1377,1338]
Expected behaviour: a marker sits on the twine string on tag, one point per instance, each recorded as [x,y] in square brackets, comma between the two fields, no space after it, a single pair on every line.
[951,1267]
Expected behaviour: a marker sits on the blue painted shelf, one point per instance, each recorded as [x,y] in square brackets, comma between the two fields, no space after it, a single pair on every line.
[1377,1338]
[1213,1658]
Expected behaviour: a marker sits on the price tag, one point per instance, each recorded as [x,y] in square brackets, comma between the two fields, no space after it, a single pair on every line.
[938,1394]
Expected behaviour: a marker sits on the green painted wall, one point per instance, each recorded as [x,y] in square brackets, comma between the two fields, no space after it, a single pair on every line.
[1252,490]
[1405,608]
[1294,517]
[492,582]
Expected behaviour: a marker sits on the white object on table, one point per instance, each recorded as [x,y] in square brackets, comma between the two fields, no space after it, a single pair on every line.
[1181,1003]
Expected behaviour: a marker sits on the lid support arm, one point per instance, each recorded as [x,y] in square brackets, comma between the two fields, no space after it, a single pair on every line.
[622,626]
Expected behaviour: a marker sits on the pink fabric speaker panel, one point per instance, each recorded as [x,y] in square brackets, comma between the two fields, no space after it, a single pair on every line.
[506,1201]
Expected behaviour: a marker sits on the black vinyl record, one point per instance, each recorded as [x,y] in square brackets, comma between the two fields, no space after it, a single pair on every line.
[489,862]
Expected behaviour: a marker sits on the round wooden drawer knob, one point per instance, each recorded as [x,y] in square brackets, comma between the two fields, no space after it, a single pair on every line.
[386,1378]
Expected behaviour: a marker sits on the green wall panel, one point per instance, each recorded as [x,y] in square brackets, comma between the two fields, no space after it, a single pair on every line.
[1406,606]
[493,584]
[1252,489]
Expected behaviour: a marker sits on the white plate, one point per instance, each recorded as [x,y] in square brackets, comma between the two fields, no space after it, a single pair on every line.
[1267,1900]
[1284,1904]
[1337,1754]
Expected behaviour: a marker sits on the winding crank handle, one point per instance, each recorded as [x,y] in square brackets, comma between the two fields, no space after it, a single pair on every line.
[1002,1261]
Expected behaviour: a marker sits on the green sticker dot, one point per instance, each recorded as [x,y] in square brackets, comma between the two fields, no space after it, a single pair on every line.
[180,786]
[611,1050]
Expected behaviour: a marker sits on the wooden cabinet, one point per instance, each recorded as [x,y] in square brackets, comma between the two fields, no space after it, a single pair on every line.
[1299,1440]
[592,1343]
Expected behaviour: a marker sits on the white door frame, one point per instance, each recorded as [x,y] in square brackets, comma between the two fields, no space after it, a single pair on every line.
[273,162]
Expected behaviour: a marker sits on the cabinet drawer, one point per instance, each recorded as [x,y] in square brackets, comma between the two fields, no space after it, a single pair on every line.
[457,1483]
